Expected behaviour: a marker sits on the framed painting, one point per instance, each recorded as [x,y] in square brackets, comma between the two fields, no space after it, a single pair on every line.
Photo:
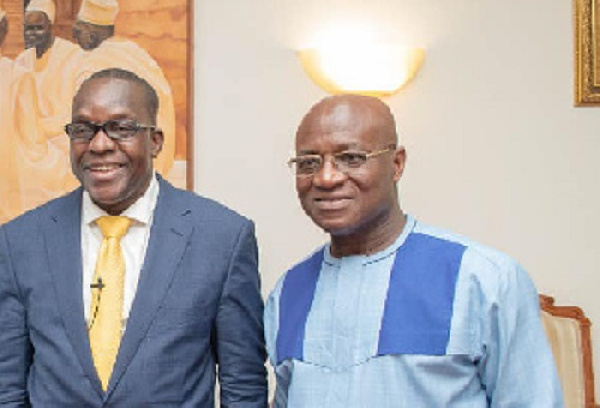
[587,52]
[151,38]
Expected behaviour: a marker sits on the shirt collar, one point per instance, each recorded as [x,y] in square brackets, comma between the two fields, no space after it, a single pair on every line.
[140,211]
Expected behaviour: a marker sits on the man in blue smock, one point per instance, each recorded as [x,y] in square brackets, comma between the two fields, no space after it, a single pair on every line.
[393,312]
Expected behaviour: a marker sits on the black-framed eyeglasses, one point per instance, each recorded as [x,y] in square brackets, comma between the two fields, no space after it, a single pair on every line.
[347,161]
[118,130]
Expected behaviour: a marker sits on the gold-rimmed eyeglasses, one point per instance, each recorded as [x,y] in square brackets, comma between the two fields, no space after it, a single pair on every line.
[347,161]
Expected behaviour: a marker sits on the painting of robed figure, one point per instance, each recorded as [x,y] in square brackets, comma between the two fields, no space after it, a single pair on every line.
[47,49]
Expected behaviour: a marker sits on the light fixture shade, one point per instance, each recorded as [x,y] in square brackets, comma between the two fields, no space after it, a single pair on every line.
[377,70]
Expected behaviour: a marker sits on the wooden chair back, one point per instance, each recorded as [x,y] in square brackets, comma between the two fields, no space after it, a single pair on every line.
[568,331]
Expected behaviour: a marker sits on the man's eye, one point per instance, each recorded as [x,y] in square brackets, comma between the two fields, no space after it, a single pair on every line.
[352,159]
[308,163]
[121,127]
[125,128]
[80,130]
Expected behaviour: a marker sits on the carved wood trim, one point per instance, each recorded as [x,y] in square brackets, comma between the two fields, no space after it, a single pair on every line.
[574,312]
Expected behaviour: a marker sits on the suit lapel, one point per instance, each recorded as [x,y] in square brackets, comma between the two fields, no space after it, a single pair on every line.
[62,230]
[168,238]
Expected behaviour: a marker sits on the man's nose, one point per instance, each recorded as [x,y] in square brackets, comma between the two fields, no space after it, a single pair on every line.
[328,175]
[101,142]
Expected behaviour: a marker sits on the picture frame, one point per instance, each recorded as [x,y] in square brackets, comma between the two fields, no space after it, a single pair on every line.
[587,52]
[164,30]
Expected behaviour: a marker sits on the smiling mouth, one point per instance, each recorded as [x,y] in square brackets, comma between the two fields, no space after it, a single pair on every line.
[102,168]
[331,203]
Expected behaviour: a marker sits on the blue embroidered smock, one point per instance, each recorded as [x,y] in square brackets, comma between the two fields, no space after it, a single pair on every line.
[435,320]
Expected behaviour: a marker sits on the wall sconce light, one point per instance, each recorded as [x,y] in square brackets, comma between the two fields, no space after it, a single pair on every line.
[376,70]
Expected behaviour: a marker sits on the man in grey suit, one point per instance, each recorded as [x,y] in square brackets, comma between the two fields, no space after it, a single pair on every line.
[191,305]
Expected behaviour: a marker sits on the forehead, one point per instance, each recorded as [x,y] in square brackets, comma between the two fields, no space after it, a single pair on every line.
[35,17]
[111,94]
[84,25]
[339,126]
[80,24]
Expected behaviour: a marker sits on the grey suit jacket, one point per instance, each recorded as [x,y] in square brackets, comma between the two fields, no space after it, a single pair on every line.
[197,307]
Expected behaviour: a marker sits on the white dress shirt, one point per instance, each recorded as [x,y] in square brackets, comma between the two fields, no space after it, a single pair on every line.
[133,244]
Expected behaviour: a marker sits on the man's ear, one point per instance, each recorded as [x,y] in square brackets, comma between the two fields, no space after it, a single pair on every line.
[157,139]
[399,162]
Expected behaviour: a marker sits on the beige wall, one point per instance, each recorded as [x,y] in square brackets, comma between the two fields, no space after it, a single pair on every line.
[496,149]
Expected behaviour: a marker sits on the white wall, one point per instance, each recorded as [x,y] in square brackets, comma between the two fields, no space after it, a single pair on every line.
[496,149]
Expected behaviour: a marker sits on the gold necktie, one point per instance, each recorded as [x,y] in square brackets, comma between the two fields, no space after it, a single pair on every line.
[107,296]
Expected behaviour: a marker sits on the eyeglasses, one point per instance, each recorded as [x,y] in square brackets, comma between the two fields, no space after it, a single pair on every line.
[347,162]
[117,130]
